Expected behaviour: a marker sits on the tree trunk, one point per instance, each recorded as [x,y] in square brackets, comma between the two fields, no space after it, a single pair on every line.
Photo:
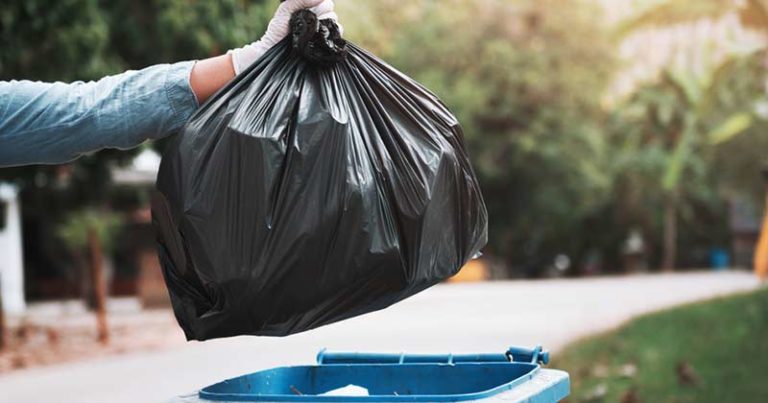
[99,285]
[669,253]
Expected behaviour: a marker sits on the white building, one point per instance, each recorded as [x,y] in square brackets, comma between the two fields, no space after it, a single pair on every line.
[11,263]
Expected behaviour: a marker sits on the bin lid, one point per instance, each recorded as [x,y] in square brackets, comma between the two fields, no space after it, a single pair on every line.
[385,377]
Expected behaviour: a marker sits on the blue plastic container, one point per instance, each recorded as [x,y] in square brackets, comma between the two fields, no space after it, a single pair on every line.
[719,259]
[515,375]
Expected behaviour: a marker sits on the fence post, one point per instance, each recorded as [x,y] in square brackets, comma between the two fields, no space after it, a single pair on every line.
[99,285]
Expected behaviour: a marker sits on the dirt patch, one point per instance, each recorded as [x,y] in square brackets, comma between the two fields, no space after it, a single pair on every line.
[47,336]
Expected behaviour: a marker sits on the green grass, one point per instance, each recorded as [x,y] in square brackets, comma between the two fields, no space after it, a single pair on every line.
[724,341]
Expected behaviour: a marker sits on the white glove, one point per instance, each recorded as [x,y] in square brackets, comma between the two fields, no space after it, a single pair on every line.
[279,28]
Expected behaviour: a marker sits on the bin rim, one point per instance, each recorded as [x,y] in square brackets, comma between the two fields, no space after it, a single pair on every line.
[459,397]
[530,362]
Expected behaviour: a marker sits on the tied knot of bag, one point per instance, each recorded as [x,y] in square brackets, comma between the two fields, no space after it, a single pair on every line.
[319,42]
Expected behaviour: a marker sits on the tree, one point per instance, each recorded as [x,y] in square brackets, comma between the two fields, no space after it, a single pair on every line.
[669,136]
[697,110]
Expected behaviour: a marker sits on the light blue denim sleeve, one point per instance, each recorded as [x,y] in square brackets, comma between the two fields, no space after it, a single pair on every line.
[51,123]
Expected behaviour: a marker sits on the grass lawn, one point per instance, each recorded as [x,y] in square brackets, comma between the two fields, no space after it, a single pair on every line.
[715,351]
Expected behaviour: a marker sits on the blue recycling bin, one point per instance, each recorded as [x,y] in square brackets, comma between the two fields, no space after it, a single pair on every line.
[513,376]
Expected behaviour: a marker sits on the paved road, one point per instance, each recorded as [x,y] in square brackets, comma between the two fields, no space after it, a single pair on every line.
[448,318]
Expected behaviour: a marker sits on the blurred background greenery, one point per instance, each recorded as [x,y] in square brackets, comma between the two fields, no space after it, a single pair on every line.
[608,135]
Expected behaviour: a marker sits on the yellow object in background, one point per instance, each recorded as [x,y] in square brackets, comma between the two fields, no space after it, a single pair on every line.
[761,251]
[474,271]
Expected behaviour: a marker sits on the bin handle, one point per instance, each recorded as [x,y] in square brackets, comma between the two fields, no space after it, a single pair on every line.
[514,354]
[535,356]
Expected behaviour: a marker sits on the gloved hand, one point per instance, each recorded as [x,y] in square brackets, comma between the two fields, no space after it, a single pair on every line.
[279,29]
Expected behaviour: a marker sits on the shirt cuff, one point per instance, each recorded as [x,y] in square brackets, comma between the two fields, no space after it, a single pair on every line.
[179,92]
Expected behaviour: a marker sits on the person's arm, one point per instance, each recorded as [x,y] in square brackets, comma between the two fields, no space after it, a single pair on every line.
[51,123]
[209,75]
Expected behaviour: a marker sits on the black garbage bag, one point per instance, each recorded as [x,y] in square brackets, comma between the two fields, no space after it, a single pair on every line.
[319,185]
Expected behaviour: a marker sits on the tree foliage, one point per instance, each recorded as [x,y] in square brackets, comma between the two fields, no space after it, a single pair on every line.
[674,142]
[699,115]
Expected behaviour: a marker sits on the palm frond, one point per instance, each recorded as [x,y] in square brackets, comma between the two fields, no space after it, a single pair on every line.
[730,128]
[674,12]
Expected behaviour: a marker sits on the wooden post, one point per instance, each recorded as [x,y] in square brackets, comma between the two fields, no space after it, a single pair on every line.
[669,254]
[99,285]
